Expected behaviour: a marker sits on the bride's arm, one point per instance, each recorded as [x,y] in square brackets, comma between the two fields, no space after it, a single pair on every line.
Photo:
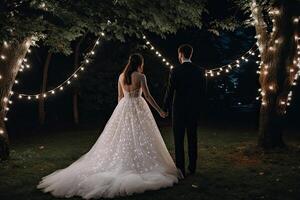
[148,96]
[120,92]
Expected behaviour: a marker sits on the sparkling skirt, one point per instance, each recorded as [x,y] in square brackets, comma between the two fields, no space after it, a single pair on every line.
[129,157]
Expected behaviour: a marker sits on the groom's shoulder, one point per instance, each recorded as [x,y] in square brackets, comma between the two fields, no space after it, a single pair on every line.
[198,68]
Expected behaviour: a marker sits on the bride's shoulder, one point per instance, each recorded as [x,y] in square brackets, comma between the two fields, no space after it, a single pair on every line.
[140,76]
[121,76]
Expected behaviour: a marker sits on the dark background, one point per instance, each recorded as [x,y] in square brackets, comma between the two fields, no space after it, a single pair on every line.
[230,99]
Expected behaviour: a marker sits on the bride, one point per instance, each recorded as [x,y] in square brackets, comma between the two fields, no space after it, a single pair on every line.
[130,155]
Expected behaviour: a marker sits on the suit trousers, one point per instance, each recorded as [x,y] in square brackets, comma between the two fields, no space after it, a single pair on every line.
[185,124]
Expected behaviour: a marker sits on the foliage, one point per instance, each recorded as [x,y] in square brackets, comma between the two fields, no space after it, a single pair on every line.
[60,22]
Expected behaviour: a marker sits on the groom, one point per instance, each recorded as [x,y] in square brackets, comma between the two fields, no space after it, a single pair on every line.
[185,94]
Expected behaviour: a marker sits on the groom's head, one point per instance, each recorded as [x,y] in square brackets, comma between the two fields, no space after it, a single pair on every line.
[185,51]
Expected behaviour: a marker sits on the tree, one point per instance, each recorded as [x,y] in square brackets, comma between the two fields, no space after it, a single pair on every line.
[277,29]
[42,113]
[76,89]
[57,23]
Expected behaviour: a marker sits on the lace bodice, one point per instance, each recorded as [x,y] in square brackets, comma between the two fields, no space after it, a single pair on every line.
[133,94]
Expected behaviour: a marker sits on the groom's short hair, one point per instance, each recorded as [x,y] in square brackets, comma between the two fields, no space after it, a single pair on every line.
[186,50]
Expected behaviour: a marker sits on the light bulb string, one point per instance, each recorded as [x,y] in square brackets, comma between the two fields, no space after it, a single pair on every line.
[246,55]
[149,45]
[65,82]
[217,70]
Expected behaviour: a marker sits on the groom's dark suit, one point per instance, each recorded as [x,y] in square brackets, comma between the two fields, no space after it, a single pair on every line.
[185,95]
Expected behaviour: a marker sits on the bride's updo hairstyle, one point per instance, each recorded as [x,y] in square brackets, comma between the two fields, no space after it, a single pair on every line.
[135,63]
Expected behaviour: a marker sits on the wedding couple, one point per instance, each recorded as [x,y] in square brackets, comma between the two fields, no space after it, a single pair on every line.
[130,155]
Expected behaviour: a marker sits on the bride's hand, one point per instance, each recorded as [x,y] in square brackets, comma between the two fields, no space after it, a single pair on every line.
[163,114]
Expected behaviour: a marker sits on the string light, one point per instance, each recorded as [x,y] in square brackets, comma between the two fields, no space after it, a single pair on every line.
[233,65]
[61,86]
[5,44]
[157,53]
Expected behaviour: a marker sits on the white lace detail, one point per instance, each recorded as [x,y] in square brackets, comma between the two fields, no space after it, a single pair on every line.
[129,157]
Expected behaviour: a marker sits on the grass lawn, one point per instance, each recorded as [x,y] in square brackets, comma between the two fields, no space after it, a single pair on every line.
[227,168]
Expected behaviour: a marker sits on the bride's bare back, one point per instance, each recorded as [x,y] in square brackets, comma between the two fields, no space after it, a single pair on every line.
[138,81]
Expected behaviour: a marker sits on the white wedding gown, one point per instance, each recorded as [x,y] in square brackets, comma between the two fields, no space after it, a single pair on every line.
[129,157]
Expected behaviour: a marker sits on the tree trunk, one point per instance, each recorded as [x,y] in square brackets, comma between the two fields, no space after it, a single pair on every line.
[10,62]
[278,50]
[42,112]
[76,89]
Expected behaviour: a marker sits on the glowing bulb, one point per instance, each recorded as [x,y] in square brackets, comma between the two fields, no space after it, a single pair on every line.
[144,37]
[1,131]
[92,52]
[296,20]
[147,42]
[102,33]
[82,68]
[152,48]
[5,44]
[3,57]
[16,81]
[37,96]
[20,96]
[29,97]
[97,42]
[69,82]
[52,92]
[5,119]
[87,61]
[271,87]
[75,75]
[44,95]
[282,102]
[5,99]
[61,88]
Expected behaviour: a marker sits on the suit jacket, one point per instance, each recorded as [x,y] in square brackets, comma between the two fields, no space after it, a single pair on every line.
[186,90]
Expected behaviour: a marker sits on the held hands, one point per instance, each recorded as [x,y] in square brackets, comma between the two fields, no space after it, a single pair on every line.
[163,114]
